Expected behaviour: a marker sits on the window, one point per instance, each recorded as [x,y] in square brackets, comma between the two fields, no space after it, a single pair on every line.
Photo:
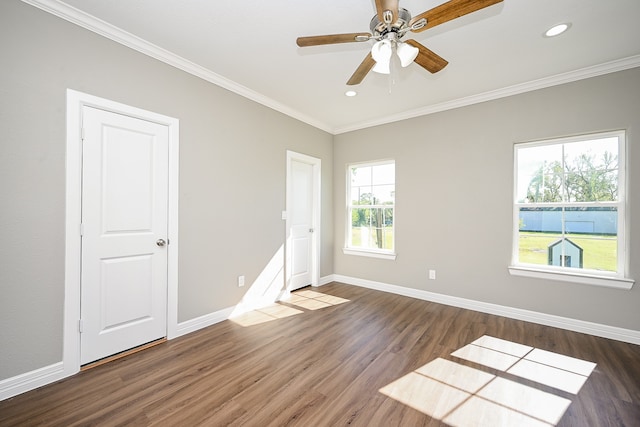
[569,217]
[370,209]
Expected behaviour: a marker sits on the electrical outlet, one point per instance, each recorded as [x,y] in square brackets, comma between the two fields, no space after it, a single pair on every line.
[240,281]
[432,275]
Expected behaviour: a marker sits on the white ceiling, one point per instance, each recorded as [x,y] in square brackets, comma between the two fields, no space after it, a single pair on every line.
[248,46]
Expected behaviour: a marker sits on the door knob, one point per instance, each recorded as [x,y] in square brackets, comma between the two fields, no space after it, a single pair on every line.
[160,242]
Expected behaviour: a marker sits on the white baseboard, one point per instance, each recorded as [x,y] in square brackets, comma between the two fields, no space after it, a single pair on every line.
[326,279]
[203,321]
[31,380]
[604,331]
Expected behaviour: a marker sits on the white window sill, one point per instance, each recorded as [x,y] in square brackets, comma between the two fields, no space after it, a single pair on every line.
[586,279]
[371,254]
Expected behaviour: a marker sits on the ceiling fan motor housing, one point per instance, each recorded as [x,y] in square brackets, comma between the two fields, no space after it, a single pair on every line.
[379,29]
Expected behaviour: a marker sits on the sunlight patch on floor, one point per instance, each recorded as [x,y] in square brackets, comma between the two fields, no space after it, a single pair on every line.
[312,300]
[552,369]
[307,300]
[265,314]
[461,395]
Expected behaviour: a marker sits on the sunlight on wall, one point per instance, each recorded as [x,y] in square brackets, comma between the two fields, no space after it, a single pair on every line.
[266,289]
[461,395]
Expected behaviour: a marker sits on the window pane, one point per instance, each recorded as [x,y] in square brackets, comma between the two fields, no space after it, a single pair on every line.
[360,175]
[383,194]
[363,237]
[372,228]
[361,195]
[538,220]
[384,174]
[600,152]
[583,171]
[592,170]
[594,230]
[538,229]
[360,217]
[539,176]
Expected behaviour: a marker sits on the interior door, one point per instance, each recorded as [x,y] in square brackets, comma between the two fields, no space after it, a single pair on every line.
[301,223]
[124,233]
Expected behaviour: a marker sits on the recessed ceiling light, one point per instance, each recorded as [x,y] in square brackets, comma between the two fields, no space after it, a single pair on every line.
[556,30]
[351,93]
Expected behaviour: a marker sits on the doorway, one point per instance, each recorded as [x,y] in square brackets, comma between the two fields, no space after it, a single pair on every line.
[302,263]
[122,229]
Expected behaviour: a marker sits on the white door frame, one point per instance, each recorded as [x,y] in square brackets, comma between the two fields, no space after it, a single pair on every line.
[316,198]
[73,250]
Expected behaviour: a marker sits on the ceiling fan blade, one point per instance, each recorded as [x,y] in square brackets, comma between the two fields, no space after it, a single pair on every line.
[428,59]
[390,5]
[362,70]
[331,39]
[451,10]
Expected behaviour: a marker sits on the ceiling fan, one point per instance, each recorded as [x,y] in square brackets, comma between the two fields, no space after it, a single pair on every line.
[389,26]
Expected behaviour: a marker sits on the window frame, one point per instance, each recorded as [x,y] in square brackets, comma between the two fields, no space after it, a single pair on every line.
[615,279]
[348,249]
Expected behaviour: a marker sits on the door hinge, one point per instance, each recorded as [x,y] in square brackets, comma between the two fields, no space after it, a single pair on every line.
[81,229]
[82,134]
[80,326]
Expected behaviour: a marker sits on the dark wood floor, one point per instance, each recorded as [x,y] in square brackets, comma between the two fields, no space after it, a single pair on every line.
[322,362]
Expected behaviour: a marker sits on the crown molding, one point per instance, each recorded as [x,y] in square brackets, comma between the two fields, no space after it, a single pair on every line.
[98,26]
[558,79]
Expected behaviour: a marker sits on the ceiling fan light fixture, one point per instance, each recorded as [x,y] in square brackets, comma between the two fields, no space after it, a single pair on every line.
[382,68]
[406,53]
[381,53]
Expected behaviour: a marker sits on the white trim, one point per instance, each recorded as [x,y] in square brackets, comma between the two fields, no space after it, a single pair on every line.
[118,35]
[596,329]
[316,221]
[75,103]
[201,322]
[325,280]
[564,276]
[111,32]
[371,254]
[30,380]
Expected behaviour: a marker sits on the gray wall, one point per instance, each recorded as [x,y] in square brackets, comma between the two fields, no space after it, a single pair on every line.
[232,184]
[232,175]
[454,172]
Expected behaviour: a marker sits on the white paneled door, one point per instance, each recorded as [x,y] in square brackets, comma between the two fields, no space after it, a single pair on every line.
[302,219]
[124,233]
